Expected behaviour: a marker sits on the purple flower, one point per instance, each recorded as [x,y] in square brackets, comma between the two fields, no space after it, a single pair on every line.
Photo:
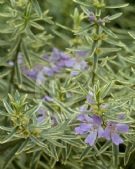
[32,72]
[41,117]
[58,56]
[82,129]
[78,66]
[84,118]
[64,56]
[57,61]
[113,130]
[82,53]
[48,71]
[46,57]
[121,116]
[91,126]
[92,17]
[70,62]
[83,108]
[74,73]
[90,98]
[48,98]
[100,21]
[55,55]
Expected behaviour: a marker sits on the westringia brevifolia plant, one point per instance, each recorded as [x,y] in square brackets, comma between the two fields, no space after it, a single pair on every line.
[67,86]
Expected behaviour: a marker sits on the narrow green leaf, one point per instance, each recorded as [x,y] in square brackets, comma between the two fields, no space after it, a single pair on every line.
[48,152]
[15,45]
[38,142]
[9,136]
[115,42]
[105,90]
[23,146]
[109,50]
[130,148]
[19,75]
[37,7]
[94,47]
[25,53]
[4,113]
[115,16]
[109,32]
[35,160]
[37,26]
[10,156]
[7,107]
[56,143]
[85,152]
[34,109]
[74,143]
[130,60]
[64,27]
[81,3]
[43,165]
[118,6]
[104,148]
[54,152]
[5,14]
[5,128]
[132,35]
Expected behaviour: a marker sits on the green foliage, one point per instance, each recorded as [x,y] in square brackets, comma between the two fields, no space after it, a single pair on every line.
[29,29]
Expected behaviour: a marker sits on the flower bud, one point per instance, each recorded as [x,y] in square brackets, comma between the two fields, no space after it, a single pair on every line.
[92,17]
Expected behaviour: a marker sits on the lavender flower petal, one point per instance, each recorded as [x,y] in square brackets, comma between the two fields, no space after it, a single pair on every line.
[90,98]
[83,108]
[122,128]
[82,129]
[116,139]
[41,117]
[48,71]
[85,118]
[100,132]
[48,98]
[107,133]
[82,53]
[70,63]
[121,116]
[74,73]
[97,120]
[90,139]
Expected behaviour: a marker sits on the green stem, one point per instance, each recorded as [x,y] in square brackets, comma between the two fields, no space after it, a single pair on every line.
[95,63]
[95,45]
[115,150]
[15,61]
[95,58]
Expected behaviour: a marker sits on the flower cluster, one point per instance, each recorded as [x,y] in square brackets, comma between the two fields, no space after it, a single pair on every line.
[93,126]
[59,60]
[90,125]
[100,21]
[56,62]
